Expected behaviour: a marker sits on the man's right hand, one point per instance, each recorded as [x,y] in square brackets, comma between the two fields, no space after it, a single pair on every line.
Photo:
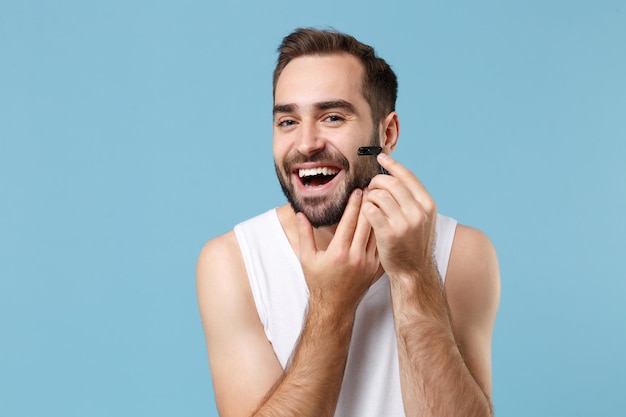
[340,275]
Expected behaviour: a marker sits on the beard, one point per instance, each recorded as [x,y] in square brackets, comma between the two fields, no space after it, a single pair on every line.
[327,210]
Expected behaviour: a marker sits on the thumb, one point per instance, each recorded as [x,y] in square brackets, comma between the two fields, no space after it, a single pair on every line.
[306,239]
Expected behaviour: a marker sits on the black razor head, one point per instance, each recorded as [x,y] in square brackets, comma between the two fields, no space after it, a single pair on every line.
[372,150]
[369,150]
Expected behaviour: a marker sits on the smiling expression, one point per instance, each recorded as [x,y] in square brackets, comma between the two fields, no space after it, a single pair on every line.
[320,119]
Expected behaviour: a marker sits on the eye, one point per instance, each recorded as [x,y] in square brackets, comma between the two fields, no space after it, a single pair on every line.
[285,123]
[333,118]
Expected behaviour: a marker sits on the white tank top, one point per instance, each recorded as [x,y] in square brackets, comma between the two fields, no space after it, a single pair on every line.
[371,384]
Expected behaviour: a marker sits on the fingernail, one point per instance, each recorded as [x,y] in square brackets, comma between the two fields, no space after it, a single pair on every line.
[358,192]
[382,156]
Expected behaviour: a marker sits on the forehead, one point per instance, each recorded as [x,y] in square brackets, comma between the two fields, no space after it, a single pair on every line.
[320,77]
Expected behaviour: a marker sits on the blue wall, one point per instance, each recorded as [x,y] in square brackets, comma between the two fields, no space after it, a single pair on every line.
[132,132]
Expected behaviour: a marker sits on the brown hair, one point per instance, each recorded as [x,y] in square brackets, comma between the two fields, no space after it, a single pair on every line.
[380,85]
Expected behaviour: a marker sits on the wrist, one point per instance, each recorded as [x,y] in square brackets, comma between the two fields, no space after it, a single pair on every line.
[419,297]
[425,280]
[329,314]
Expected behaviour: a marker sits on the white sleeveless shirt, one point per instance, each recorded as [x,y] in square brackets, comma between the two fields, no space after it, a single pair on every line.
[371,384]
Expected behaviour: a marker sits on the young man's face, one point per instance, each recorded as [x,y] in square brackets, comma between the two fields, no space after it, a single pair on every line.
[320,119]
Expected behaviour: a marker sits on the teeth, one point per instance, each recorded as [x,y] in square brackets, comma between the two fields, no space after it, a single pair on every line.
[317,171]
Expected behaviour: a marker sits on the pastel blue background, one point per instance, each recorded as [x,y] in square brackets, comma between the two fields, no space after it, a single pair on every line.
[132,132]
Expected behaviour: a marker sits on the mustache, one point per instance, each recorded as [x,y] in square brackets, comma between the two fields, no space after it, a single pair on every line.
[322,156]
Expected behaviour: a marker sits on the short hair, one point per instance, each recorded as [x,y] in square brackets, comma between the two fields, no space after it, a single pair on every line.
[380,84]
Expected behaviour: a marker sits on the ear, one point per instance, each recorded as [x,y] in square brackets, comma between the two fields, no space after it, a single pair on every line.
[390,132]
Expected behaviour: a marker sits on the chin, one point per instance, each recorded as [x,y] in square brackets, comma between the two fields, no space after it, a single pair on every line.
[321,211]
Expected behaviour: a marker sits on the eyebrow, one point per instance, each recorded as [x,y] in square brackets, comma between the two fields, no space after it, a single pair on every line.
[336,104]
[284,108]
[324,105]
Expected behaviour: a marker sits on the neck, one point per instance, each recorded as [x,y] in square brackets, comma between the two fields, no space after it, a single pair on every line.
[287,217]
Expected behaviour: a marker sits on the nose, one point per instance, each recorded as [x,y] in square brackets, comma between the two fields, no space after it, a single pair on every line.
[310,141]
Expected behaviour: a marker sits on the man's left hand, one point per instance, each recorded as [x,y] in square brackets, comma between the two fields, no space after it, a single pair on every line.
[403,216]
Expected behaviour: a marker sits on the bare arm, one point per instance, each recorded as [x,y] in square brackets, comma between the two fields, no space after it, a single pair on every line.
[436,378]
[248,379]
[446,362]
[311,385]
[243,364]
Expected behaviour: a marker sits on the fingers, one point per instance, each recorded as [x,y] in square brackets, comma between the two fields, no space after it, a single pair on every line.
[405,176]
[305,236]
[362,234]
[411,185]
[345,229]
[394,167]
[371,249]
[348,224]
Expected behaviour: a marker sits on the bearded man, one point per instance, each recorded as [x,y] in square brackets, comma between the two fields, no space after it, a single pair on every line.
[356,298]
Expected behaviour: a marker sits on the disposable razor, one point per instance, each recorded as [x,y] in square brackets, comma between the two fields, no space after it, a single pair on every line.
[372,151]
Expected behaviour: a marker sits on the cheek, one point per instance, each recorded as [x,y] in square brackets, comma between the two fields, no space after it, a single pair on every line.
[365,166]
[280,156]
[348,143]
[279,151]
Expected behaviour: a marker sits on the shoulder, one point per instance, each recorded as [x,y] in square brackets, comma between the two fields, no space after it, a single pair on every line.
[473,278]
[221,281]
[219,258]
[220,245]
[220,273]
[474,247]
[473,292]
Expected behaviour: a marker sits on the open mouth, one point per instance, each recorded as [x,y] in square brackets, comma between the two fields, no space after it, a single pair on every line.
[316,177]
